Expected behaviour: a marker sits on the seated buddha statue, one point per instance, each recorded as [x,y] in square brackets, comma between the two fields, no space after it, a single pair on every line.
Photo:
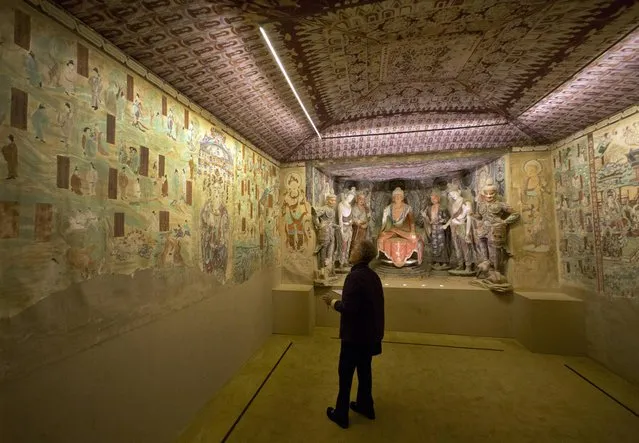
[397,239]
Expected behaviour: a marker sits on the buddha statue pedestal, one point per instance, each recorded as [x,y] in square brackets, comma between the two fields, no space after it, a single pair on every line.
[402,252]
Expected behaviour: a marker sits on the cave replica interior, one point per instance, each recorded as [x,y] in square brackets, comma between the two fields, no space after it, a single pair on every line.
[200,171]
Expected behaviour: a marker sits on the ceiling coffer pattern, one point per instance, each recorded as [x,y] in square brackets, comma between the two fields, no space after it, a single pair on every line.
[407,66]
[421,170]
[458,139]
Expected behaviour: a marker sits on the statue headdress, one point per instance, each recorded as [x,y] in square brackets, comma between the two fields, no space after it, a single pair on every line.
[489,186]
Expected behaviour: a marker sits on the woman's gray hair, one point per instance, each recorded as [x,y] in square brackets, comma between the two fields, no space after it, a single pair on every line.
[368,251]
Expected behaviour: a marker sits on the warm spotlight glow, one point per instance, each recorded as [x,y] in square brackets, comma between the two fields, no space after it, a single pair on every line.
[279,63]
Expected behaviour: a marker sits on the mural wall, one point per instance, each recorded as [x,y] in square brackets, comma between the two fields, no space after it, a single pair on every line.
[597,186]
[533,237]
[103,173]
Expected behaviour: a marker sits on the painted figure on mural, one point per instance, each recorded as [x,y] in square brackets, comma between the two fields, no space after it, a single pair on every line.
[89,145]
[32,69]
[532,201]
[156,122]
[324,220]
[435,224]
[95,83]
[397,240]
[191,168]
[10,154]
[154,170]
[171,126]
[215,228]
[65,121]
[76,182]
[165,186]
[361,220]
[612,211]
[134,160]
[137,190]
[295,212]
[137,113]
[39,120]
[91,178]
[493,219]
[67,78]
[123,156]
[97,139]
[123,182]
[345,223]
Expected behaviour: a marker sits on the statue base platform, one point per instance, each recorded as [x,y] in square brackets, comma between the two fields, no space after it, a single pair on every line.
[343,270]
[385,270]
[546,321]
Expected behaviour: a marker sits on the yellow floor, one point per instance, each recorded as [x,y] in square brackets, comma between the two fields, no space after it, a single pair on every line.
[437,390]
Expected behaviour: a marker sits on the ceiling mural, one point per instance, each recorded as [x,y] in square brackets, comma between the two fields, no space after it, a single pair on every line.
[388,76]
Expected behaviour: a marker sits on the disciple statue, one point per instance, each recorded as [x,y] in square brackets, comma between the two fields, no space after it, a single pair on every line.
[461,223]
[397,240]
[493,218]
[361,220]
[435,219]
[324,222]
[344,217]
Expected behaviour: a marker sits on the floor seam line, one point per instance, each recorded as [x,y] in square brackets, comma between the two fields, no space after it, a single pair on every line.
[268,376]
[583,377]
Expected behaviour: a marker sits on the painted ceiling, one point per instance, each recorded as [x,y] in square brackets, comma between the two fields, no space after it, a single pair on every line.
[386,77]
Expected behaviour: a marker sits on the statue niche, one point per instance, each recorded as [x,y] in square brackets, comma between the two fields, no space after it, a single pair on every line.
[398,243]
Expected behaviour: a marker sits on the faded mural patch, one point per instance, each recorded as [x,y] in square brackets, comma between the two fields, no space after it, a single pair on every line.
[573,210]
[102,173]
[533,239]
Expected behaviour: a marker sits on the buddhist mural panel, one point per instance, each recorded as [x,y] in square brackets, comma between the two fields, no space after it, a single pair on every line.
[256,239]
[573,211]
[298,236]
[533,238]
[104,173]
[615,157]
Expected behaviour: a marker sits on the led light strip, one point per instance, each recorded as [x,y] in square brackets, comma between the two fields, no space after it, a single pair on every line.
[279,63]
